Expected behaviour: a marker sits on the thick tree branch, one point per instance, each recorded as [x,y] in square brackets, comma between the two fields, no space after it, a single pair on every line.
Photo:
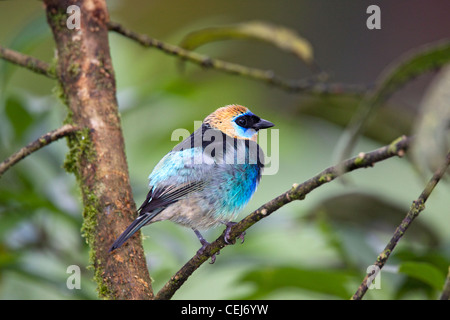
[36,145]
[416,207]
[97,153]
[297,192]
[307,85]
[29,62]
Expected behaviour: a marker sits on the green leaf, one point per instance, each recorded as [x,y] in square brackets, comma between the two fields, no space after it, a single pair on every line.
[370,213]
[392,79]
[424,272]
[18,116]
[432,141]
[270,279]
[24,40]
[387,124]
[410,66]
[281,37]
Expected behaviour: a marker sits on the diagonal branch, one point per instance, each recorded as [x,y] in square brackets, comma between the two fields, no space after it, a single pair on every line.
[297,192]
[44,140]
[308,85]
[416,207]
[445,295]
[29,62]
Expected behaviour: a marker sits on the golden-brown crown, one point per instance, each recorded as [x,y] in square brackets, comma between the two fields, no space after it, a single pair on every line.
[222,119]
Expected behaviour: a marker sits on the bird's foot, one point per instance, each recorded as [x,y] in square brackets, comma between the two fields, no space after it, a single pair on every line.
[204,244]
[228,231]
[202,250]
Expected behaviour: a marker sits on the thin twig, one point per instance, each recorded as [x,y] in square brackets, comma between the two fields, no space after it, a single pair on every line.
[297,192]
[416,207]
[29,62]
[308,85]
[36,145]
[446,291]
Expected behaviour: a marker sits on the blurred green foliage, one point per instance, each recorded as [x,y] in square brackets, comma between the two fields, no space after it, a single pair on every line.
[318,248]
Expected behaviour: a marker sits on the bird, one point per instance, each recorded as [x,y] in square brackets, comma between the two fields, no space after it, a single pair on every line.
[206,179]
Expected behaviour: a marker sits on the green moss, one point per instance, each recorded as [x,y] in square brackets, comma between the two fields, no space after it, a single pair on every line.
[393,148]
[59,93]
[52,66]
[326,177]
[416,208]
[58,18]
[384,255]
[88,230]
[359,161]
[80,156]
[90,211]
[102,289]
[81,152]
[74,69]
[79,146]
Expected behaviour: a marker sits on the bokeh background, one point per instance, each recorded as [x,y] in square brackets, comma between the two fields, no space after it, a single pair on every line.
[318,248]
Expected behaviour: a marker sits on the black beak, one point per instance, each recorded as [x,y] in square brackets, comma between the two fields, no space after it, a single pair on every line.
[262,124]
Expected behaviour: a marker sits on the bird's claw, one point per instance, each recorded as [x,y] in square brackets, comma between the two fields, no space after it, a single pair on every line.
[227,240]
[228,231]
[213,257]
[202,250]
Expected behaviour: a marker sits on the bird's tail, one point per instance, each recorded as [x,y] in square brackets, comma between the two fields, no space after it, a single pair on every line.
[140,221]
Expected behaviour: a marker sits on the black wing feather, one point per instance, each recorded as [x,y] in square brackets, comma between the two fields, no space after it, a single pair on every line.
[157,200]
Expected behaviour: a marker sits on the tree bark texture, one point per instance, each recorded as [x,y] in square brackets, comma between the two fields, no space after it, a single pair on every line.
[97,153]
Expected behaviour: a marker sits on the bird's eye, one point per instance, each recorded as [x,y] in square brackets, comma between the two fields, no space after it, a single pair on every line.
[242,122]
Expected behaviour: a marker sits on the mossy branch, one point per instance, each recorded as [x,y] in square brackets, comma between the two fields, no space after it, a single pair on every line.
[297,192]
[28,62]
[34,146]
[97,153]
[417,206]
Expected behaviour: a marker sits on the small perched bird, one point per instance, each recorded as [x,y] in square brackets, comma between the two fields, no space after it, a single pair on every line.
[208,178]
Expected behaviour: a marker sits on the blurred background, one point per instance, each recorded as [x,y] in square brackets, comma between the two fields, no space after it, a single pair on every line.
[318,248]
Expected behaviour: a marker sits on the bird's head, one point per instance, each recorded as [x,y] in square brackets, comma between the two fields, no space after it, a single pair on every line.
[237,121]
